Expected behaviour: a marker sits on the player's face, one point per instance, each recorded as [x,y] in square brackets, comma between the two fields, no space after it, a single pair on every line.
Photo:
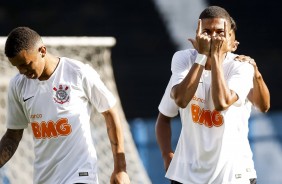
[214,26]
[232,40]
[29,62]
[232,37]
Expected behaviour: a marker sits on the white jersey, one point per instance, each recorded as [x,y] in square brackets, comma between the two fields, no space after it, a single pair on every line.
[167,105]
[169,108]
[58,111]
[209,149]
[248,154]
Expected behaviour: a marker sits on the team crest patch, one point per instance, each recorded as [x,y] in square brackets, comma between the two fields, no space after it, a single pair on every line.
[61,94]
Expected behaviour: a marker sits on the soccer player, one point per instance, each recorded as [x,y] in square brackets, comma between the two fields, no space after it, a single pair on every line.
[54,95]
[199,129]
[168,109]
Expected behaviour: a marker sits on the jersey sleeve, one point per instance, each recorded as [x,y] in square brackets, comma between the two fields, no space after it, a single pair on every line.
[96,91]
[241,81]
[181,64]
[16,118]
[167,105]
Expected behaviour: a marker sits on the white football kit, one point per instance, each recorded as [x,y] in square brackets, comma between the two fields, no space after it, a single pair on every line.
[169,108]
[58,111]
[211,147]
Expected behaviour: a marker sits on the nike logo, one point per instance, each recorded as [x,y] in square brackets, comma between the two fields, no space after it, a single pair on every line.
[27,98]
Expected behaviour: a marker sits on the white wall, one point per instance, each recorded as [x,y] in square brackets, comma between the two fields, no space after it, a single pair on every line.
[181,18]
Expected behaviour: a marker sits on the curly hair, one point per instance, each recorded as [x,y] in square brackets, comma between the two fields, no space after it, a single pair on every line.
[20,38]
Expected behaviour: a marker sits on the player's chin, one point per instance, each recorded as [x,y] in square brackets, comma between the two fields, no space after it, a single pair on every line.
[32,76]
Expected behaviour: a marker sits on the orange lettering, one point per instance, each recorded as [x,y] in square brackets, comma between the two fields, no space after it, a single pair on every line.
[208,120]
[195,110]
[48,129]
[33,116]
[36,130]
[51,129]
[206,117]
[63,127]
[202,117]
[217,118]
[198,99]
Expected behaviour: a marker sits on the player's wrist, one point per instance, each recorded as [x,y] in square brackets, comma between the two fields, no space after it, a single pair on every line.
[167,155]
[201,59]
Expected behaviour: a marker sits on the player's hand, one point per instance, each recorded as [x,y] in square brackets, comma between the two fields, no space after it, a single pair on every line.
[251,61]
[220,44]
[120,178]
[203,41]
[194,43]
[248,59]
[167,159]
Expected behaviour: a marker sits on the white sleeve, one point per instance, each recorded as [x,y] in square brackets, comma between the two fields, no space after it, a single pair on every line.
[167,106]
[181,64]
[16,118]
[241,81]
[96,91]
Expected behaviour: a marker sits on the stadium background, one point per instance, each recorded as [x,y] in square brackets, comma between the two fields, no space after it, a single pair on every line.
[144,46]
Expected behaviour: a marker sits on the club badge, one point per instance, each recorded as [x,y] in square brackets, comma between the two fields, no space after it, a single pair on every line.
[61,94]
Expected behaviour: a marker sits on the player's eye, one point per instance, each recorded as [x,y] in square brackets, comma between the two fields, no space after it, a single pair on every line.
[221,33]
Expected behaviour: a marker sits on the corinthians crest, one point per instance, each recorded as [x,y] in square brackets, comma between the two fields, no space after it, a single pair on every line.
[61,94]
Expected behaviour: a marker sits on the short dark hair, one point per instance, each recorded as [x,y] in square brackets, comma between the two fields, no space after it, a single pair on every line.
[215,12]
[233,24]
[20,38]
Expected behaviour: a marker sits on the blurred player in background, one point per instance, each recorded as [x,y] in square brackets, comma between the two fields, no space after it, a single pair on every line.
[54,96]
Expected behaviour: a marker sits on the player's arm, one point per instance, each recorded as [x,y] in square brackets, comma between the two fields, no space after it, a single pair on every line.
[222,96]
[183,92]
[9,144]
[163,135]
[259,95]
[114,129]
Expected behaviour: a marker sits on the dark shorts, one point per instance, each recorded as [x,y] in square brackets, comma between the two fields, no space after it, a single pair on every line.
[174,182]
[252,181]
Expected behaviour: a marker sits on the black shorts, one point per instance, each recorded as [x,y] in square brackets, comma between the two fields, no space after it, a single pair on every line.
[252,181]
[174,182]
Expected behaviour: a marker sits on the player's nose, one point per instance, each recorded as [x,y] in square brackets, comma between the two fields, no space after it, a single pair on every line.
[214,34]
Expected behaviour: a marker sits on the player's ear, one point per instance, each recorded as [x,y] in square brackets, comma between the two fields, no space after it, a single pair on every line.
[42,51]
[230,32]
[235,46]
